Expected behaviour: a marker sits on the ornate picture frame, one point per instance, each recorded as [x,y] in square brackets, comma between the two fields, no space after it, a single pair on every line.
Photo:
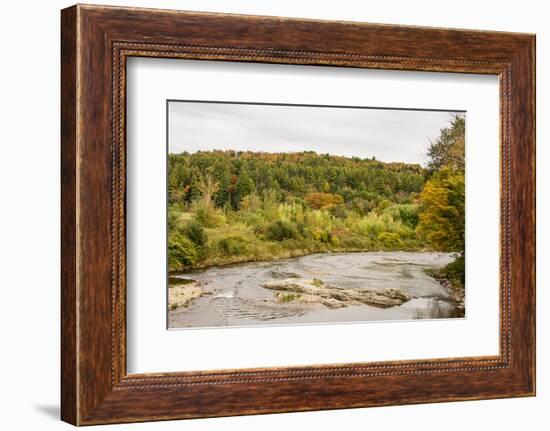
[96,41]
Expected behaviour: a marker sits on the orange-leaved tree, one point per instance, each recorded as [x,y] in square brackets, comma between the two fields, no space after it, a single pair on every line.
[320,201]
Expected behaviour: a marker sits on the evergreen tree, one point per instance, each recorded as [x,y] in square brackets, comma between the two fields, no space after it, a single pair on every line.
[243,187]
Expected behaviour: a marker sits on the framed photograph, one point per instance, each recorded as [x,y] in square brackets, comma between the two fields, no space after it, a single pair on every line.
[264,214]
[279,213]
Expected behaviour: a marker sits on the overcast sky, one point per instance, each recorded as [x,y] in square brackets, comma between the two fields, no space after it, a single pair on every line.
[389,135]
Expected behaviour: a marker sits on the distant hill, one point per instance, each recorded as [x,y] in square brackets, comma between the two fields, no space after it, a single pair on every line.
[362,183]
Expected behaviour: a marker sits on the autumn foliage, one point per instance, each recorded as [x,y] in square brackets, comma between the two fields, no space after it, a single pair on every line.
[322,200]
[442,211]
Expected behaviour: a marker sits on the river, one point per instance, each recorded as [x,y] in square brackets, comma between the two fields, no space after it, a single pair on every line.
[234,296]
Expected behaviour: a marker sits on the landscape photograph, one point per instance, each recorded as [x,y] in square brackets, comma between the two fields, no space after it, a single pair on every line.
[283,214]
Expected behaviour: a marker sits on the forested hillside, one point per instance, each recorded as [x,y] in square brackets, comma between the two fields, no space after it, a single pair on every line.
[227,178]
[230,206]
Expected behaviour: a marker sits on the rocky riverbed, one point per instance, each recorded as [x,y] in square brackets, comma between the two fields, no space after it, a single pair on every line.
[316,291]
[181,295]
[319,288]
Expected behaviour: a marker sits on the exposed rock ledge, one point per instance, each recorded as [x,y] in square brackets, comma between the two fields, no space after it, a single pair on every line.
[182,295]
[315,291]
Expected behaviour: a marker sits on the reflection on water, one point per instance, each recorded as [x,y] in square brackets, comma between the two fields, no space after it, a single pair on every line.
[234,296]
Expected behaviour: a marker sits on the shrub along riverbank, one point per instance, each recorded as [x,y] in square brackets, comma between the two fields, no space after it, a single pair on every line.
[270,231]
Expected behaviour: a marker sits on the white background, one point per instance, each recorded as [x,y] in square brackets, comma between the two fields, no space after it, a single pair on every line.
[151,348]
[29,227]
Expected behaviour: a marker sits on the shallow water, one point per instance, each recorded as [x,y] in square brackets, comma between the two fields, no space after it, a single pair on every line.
[234,296]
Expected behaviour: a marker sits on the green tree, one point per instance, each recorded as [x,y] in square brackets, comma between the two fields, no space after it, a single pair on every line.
[281,230]
[448,149]
[176,180]
[196,233]
[243,187]
[182,251]
[223,195]
[193,189]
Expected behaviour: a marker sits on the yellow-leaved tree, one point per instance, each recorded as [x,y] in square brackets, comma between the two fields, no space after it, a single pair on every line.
[442,200]
[442,215]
